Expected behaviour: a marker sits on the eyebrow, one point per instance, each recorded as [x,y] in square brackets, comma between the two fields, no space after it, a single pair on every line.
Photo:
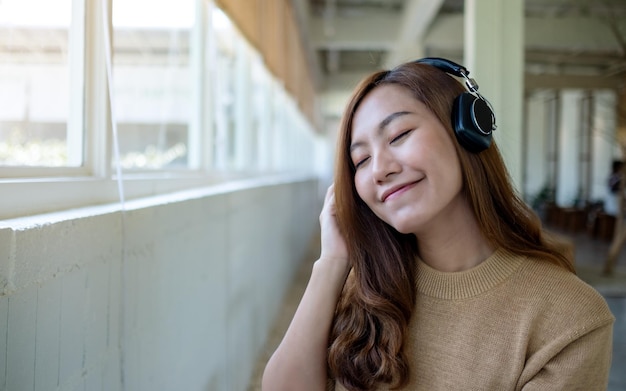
[382,125]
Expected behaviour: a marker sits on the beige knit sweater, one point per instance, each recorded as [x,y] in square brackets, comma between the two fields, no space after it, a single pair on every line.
[511,323]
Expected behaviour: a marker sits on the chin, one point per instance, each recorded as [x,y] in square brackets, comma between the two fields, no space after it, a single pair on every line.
[404,223]
[405,231]
[403,227]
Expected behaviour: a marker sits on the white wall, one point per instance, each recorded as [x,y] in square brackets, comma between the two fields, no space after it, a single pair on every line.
[536,170]
[175,293]
[604,145]
[568,183]
[604,148]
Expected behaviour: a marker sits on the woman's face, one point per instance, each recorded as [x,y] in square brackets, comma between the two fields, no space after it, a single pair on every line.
[407,169]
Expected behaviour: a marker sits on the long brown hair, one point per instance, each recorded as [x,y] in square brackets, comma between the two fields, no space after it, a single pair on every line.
[372,316]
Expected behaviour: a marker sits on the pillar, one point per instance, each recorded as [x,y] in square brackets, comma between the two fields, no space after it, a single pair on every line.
[494,55]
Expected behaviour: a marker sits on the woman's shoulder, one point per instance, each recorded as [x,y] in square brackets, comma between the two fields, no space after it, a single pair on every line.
[560,291]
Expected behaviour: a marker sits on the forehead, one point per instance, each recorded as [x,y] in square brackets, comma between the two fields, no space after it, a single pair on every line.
[386,96]
[382,102]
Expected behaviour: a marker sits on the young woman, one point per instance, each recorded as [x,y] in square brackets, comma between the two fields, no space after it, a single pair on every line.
[433,273]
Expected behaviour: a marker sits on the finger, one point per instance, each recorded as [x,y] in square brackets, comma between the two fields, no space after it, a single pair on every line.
[329,203]
[330,192]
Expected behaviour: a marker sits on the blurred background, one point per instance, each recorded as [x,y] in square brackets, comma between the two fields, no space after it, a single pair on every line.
[163,165]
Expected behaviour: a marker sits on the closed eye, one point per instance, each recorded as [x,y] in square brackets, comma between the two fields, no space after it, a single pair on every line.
[400,136]
[361,162]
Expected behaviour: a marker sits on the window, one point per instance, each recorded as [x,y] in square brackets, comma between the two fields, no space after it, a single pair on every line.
[41,83]
[260,116]
[193,103]
[153,71]
[224,58]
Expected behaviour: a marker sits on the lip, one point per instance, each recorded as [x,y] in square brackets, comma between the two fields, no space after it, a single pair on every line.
[395,189]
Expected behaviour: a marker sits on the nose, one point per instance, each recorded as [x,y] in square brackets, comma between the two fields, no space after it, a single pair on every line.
[384,166]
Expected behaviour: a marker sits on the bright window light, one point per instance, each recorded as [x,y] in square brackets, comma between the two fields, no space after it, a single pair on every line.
[153,70]
[41,84]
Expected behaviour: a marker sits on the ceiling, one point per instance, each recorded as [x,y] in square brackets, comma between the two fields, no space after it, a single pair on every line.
[348,38]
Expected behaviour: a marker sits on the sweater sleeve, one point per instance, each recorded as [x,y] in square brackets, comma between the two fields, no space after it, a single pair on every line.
[583,364]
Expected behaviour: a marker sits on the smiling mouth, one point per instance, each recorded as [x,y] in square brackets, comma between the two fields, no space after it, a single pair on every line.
[400,189]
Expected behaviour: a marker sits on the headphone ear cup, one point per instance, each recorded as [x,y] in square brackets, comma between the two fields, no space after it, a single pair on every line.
[472,121]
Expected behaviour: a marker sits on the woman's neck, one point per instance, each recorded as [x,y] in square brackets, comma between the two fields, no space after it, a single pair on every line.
[454,243]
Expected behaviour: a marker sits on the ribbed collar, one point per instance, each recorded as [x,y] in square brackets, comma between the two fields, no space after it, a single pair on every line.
[468,283]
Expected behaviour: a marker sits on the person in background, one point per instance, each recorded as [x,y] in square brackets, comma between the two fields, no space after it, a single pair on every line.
[433,273]
[611,204]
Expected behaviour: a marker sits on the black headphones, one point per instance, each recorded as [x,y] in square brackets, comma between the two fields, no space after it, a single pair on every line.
[473,119]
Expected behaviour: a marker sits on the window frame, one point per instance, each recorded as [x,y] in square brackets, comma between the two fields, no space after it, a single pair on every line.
[37,190]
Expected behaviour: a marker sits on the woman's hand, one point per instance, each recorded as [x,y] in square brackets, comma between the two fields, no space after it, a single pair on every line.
[333,244]
[299,362]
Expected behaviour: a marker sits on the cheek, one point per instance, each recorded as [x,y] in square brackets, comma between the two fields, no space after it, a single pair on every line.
[454,176]
[362,188]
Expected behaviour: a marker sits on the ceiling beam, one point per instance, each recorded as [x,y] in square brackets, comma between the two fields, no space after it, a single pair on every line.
[370,31]
[380,31]
[550,33]
[417,18]
[533,82]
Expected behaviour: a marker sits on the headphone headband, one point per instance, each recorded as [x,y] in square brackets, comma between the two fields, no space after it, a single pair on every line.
[445,65]
[454,69]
